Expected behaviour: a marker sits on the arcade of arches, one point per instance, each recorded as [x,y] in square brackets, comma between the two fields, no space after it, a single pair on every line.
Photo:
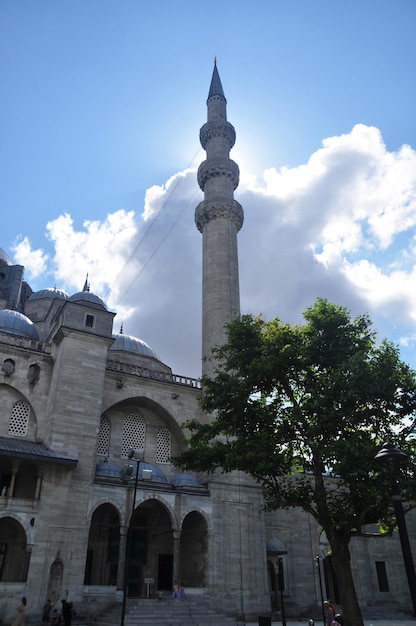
[156,550]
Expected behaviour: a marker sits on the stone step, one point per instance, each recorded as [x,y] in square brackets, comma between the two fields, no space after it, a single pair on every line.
[166,612]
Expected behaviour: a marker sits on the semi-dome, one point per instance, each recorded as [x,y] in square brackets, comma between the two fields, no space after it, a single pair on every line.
[87,296]
[128,343]
[104,469]
[50,292]
[186,480]
[15,323]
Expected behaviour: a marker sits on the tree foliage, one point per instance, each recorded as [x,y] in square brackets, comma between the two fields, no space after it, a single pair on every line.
[304,409]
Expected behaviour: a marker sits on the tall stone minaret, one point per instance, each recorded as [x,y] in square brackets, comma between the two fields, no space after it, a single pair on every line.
[219,218]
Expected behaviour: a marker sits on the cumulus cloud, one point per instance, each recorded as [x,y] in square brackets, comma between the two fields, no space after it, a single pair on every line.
[35,261]
[341,226]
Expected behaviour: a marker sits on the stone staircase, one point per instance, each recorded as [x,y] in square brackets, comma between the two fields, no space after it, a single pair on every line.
[166,612]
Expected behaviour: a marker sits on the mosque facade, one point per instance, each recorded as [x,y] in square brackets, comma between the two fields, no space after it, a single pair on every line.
[77,399]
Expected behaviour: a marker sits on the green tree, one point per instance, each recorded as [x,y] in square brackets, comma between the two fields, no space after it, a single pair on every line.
[304,409]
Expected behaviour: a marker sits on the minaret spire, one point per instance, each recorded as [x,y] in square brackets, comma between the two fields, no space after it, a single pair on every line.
[219,218]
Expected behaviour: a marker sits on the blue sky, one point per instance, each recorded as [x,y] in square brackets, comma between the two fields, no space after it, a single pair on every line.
[102,102]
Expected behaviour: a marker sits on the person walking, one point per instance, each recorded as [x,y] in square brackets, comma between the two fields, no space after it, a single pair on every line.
[19,620]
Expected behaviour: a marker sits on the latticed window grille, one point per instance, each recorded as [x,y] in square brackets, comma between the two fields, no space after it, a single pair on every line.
[103,444]
[134,434]
[19,419]
[163,445]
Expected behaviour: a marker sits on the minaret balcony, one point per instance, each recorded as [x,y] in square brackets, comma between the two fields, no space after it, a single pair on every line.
[214,168]
[216,129]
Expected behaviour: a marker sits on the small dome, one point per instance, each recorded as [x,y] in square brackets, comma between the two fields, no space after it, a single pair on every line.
[51,292]
[157,474]
[186,480]
[15,323]
[128,343]
[104,469]
[87,296]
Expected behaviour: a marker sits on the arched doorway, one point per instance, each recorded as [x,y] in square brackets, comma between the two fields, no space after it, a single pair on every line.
[14,555]
[193,554]
[103,547]
[150,551]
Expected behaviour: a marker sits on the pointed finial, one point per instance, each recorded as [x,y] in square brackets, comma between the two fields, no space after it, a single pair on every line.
[215,60]
[121,328]
[86,285]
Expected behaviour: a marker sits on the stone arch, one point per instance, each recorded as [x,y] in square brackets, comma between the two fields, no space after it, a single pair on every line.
[151,548]
[193,553]
[14,551]
[103,546]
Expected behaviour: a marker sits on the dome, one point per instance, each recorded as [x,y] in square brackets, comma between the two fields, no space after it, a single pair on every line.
[128,343]
[157,474]
[104,469]
[186,480]
[87,296]
[15,323]
[50,292]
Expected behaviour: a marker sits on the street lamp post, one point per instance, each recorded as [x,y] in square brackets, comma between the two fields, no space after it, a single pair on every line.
[393,455]
[127,474]
[318,565]
[281,585]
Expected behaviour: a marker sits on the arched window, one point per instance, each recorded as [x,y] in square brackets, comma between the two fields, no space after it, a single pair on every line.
[19,419]
[134,434]
[103,443]
[163,445]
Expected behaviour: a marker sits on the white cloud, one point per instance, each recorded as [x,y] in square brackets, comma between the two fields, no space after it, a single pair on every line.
[35,261]
[341,226]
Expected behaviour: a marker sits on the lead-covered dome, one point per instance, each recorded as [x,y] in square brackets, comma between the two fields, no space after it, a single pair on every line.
[128,343]
[50,292]
[90,298]
[15,323]
[186,480]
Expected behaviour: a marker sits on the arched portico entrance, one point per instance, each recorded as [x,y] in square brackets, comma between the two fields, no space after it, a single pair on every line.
[150,553]
[14,553]
[193,554]
[103,547]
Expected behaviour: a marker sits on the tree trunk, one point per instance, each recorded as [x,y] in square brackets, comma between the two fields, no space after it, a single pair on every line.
[341,557]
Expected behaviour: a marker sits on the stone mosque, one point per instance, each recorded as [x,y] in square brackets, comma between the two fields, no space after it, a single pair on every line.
[77,399]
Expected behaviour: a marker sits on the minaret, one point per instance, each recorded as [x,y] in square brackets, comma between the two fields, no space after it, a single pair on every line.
[219,218]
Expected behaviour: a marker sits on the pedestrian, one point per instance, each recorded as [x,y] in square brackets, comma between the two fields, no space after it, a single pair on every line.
[175,591]
[329,613]
[46,612]
[19,620]
[66,613]
[182,593]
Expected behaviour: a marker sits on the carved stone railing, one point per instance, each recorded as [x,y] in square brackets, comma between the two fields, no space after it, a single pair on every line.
[146,372]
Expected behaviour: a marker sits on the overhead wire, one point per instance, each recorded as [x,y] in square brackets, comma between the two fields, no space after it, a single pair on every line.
[146,235]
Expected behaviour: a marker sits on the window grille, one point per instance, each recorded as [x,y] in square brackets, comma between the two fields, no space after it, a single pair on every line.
[19,419]
[134,434]
[103,444]
[163,445]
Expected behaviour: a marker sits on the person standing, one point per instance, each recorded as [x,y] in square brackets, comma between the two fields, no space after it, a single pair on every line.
[46,612]
[19,620]
[66,613]
[182,593]
[175,591]
[329,613]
